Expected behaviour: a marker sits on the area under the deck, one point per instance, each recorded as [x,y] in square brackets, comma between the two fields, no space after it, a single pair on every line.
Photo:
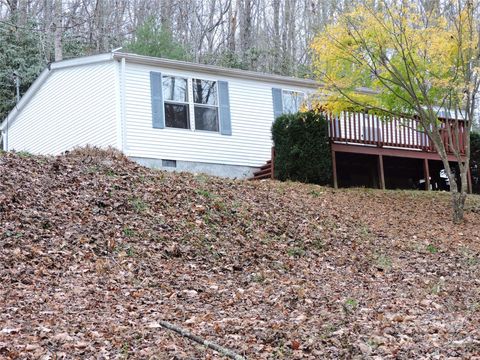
[362,170]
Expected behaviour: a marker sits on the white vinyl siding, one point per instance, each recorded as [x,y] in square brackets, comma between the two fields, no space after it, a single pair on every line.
[76,106]
[251,110]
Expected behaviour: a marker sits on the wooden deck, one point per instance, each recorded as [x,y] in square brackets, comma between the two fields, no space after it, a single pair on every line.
[392,136]
[360,133]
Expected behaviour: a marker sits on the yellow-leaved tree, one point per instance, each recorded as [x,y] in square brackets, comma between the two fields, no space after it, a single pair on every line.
[417,61]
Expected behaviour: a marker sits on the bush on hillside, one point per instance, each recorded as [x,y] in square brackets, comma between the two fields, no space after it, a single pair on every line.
[302,148]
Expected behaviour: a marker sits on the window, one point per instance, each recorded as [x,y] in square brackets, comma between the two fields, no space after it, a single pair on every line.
[205,104]
[175,93]
[186,103]
[292,101]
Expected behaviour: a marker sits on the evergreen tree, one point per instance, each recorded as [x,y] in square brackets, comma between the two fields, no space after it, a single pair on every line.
[152,39]
[21,53]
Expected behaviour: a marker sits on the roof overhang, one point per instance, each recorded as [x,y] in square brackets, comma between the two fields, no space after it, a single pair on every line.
[217,70]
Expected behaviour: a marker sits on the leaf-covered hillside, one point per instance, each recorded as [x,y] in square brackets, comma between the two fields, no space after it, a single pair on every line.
[96,250]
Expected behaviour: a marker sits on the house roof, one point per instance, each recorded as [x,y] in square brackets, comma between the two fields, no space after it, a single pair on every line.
[217,70]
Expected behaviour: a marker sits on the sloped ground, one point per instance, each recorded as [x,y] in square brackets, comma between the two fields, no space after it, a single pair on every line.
[95,250]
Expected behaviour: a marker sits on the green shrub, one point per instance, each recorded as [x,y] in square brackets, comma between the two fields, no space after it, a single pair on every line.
[302,148]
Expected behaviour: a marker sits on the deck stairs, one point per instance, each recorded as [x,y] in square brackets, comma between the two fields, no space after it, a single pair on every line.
[265,172]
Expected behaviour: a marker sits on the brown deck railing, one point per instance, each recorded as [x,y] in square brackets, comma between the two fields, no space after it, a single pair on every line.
[371,130]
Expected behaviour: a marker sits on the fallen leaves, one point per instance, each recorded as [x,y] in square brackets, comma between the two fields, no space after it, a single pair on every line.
[62,337]
[295,344]
[96,250]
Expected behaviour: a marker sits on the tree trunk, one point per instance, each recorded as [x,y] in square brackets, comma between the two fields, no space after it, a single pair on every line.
[459,200]
[292,47]
[119,14]
[58,31]
[166,15]
[458,204]
[100,24]
[23,12]
[458,193]
[232,29]
[13,4]
[286,48]
[276,36]
[246,30]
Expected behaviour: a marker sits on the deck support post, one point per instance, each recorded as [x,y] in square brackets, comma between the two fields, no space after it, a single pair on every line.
[469,181]
[381,172]
[334,168]
[426,173]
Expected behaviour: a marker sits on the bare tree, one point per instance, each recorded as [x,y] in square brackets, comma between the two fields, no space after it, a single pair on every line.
[58,30]
[266,35]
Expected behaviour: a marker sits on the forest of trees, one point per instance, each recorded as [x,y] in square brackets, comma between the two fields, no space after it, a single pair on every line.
[265,35]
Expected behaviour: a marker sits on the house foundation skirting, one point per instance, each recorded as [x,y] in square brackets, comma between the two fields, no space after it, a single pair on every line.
[221,170]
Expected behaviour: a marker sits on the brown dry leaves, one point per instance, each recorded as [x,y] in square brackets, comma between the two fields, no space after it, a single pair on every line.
[95,249]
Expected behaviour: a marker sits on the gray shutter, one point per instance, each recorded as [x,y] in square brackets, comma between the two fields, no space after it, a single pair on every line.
[224,108]
[277,102]
[158,111]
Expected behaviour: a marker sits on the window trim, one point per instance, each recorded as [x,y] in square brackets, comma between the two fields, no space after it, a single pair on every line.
[292,91]
[174,102]
[206,106]
[188,114]
[191,105]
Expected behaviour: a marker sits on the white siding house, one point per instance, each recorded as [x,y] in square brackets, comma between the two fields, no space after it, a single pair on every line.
[161,113]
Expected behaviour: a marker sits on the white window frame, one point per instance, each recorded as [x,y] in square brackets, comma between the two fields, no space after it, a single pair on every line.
[188,103]
[206,106]
[304,98]
[191,104]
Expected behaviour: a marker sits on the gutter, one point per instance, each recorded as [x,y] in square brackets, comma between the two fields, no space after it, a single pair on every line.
[229,72]
[217,70]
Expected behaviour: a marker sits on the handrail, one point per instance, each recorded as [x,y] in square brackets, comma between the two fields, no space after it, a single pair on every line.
[398,132]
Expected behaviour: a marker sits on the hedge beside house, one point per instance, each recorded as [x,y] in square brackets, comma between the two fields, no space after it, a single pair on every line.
[302,148]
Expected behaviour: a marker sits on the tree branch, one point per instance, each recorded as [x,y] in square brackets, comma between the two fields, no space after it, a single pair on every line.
[211,345]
